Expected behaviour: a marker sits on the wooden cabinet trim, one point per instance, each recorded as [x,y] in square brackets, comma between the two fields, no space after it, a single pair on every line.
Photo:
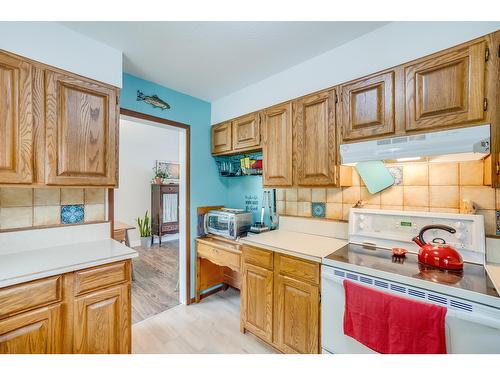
[99,277]
[31,295]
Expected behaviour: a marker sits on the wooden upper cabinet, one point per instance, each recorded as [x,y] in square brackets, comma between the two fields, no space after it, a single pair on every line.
[296,316]
[277,147]
[34,332]
[257,301]
[314,126]
[221,138]
[367,106]
[16,151]
[246,132]
[101,323]
[81,131]
[446,89]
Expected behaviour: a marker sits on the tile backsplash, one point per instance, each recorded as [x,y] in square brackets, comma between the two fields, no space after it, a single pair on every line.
[34,207]
[421,186]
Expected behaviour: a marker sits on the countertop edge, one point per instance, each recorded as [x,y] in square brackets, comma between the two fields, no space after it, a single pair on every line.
[296,254]
[66,269]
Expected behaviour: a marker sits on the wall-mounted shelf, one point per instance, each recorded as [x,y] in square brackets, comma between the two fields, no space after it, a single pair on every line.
[240,165]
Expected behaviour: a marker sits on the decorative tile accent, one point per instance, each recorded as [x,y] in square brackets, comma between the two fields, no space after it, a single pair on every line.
[71,196]
[16,217]
[72,214]
[95,196]
[46,215]
[46,196]
[318,209]
[397,173]
[497,216]
[16,197]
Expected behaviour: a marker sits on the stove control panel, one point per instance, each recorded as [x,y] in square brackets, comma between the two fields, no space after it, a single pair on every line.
[397,228]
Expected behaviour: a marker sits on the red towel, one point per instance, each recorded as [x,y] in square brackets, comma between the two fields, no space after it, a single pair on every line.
[391,324]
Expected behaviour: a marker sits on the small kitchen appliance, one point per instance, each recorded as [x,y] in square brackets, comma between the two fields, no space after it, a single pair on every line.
[438,253]
[472,323]
[228,222]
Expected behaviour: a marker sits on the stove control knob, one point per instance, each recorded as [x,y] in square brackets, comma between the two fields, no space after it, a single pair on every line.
[459,225]
[361,225]
[361,217]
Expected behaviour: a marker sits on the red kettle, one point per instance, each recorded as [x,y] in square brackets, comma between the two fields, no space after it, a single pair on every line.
[438,253]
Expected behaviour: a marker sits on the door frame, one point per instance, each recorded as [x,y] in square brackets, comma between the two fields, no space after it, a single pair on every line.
[187,128]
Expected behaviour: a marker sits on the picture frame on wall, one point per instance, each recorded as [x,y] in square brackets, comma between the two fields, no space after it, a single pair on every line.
[172,168]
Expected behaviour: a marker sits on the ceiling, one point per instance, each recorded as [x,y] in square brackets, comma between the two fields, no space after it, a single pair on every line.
[210,60]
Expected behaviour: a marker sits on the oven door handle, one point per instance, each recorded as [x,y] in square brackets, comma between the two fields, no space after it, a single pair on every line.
[476,318]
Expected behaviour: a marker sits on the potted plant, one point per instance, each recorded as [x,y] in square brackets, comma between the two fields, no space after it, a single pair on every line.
[145,231]
[159,176]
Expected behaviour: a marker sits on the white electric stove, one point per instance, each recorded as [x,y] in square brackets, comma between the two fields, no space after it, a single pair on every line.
[473,316]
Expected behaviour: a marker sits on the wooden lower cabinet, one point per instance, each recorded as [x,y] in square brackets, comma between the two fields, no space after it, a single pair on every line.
[101,322]
[296,315]
[84,312]
[280,300]
[257,301]
[34,332]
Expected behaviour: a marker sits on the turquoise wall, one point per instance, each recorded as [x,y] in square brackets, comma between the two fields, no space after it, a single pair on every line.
[206,187]
[241,190]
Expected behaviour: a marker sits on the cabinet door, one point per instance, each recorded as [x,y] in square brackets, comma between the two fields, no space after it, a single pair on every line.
[16,164]
[277,145]
[221,138]
[246,132]
[257,301]
[447,89]
[368,107]
[296,316]
[34,332]
[81,132]
[101,324]
[314,124]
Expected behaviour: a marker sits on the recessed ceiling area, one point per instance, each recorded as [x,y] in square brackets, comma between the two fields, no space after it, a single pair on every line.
[210,60]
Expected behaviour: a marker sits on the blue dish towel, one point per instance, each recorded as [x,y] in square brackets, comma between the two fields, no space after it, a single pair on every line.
[375,175]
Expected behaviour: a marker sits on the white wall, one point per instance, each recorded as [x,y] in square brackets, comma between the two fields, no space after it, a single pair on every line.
[54,44]
[391,45]
[140,146]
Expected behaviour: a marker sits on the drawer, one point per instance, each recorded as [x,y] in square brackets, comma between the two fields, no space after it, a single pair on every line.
[28,296]
[297,268]
[258,257]
[101,276]
[219,256]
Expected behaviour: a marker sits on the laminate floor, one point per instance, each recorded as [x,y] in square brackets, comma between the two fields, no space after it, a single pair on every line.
[211,326]
[155,287]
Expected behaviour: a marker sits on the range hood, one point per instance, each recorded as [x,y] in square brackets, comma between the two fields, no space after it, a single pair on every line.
[470,143]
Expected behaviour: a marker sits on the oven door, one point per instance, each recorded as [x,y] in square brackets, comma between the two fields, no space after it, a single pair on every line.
[470,327]
[219,224]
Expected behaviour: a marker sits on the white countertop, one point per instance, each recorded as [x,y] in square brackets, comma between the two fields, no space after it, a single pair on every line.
[493,271]
[35,264]
[302,245]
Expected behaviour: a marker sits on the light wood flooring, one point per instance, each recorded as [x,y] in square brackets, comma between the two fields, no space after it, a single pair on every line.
[211,326]
[155,285]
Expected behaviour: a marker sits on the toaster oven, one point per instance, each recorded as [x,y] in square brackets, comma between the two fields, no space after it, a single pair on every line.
[228,223]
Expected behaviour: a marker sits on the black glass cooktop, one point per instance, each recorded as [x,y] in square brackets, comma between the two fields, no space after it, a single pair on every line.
[473,277]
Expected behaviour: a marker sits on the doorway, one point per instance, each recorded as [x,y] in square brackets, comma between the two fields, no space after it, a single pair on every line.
[149,145]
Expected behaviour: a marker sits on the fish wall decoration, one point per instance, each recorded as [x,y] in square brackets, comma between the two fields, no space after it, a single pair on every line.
[154,100]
